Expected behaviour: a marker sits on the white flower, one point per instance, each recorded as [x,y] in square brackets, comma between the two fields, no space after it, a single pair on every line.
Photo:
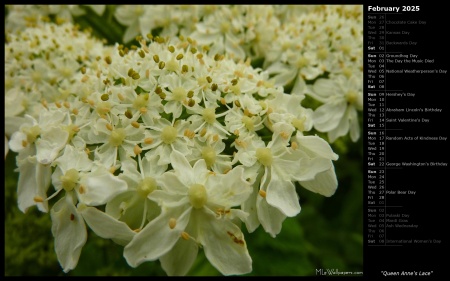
[242,122]
[92,189]
[69,229]
[212,152]
[206,124]
[223,31]
[165,137]
[342,100]
[288,109]
[132,206]
[34,181]
[196,210]
[319,151]
[180,90]
[115,140]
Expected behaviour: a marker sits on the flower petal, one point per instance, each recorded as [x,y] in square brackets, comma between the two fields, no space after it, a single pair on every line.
[106,226]
[100,187]
[69,230]
[50,144]
[182,167]
[34,180]
[172,183]
[249,206]
[324,183]
[270,217]
[224,244]
[157,238]
[230,189]
[327,116]
[324,88]
[309,167]
[282,195]
[179,260]
[316,146]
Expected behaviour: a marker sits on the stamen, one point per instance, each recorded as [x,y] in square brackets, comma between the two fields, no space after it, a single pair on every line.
[188,133]
[203,132]
[294,145]
[185,235]
[262,193]
[172,223]
[284,135]
[135,124]
[137,150]
[38,199]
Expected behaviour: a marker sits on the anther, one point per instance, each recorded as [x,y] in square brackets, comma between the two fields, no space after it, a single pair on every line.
[135,124]
[284,135]
[172,223]
[185,235]
[262,193]
[128,114]
[137,150]
[294,145]
[203,132]
[38,199]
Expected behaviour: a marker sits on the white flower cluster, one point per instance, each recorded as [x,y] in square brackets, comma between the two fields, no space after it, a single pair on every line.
[169,147]
[321,45]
